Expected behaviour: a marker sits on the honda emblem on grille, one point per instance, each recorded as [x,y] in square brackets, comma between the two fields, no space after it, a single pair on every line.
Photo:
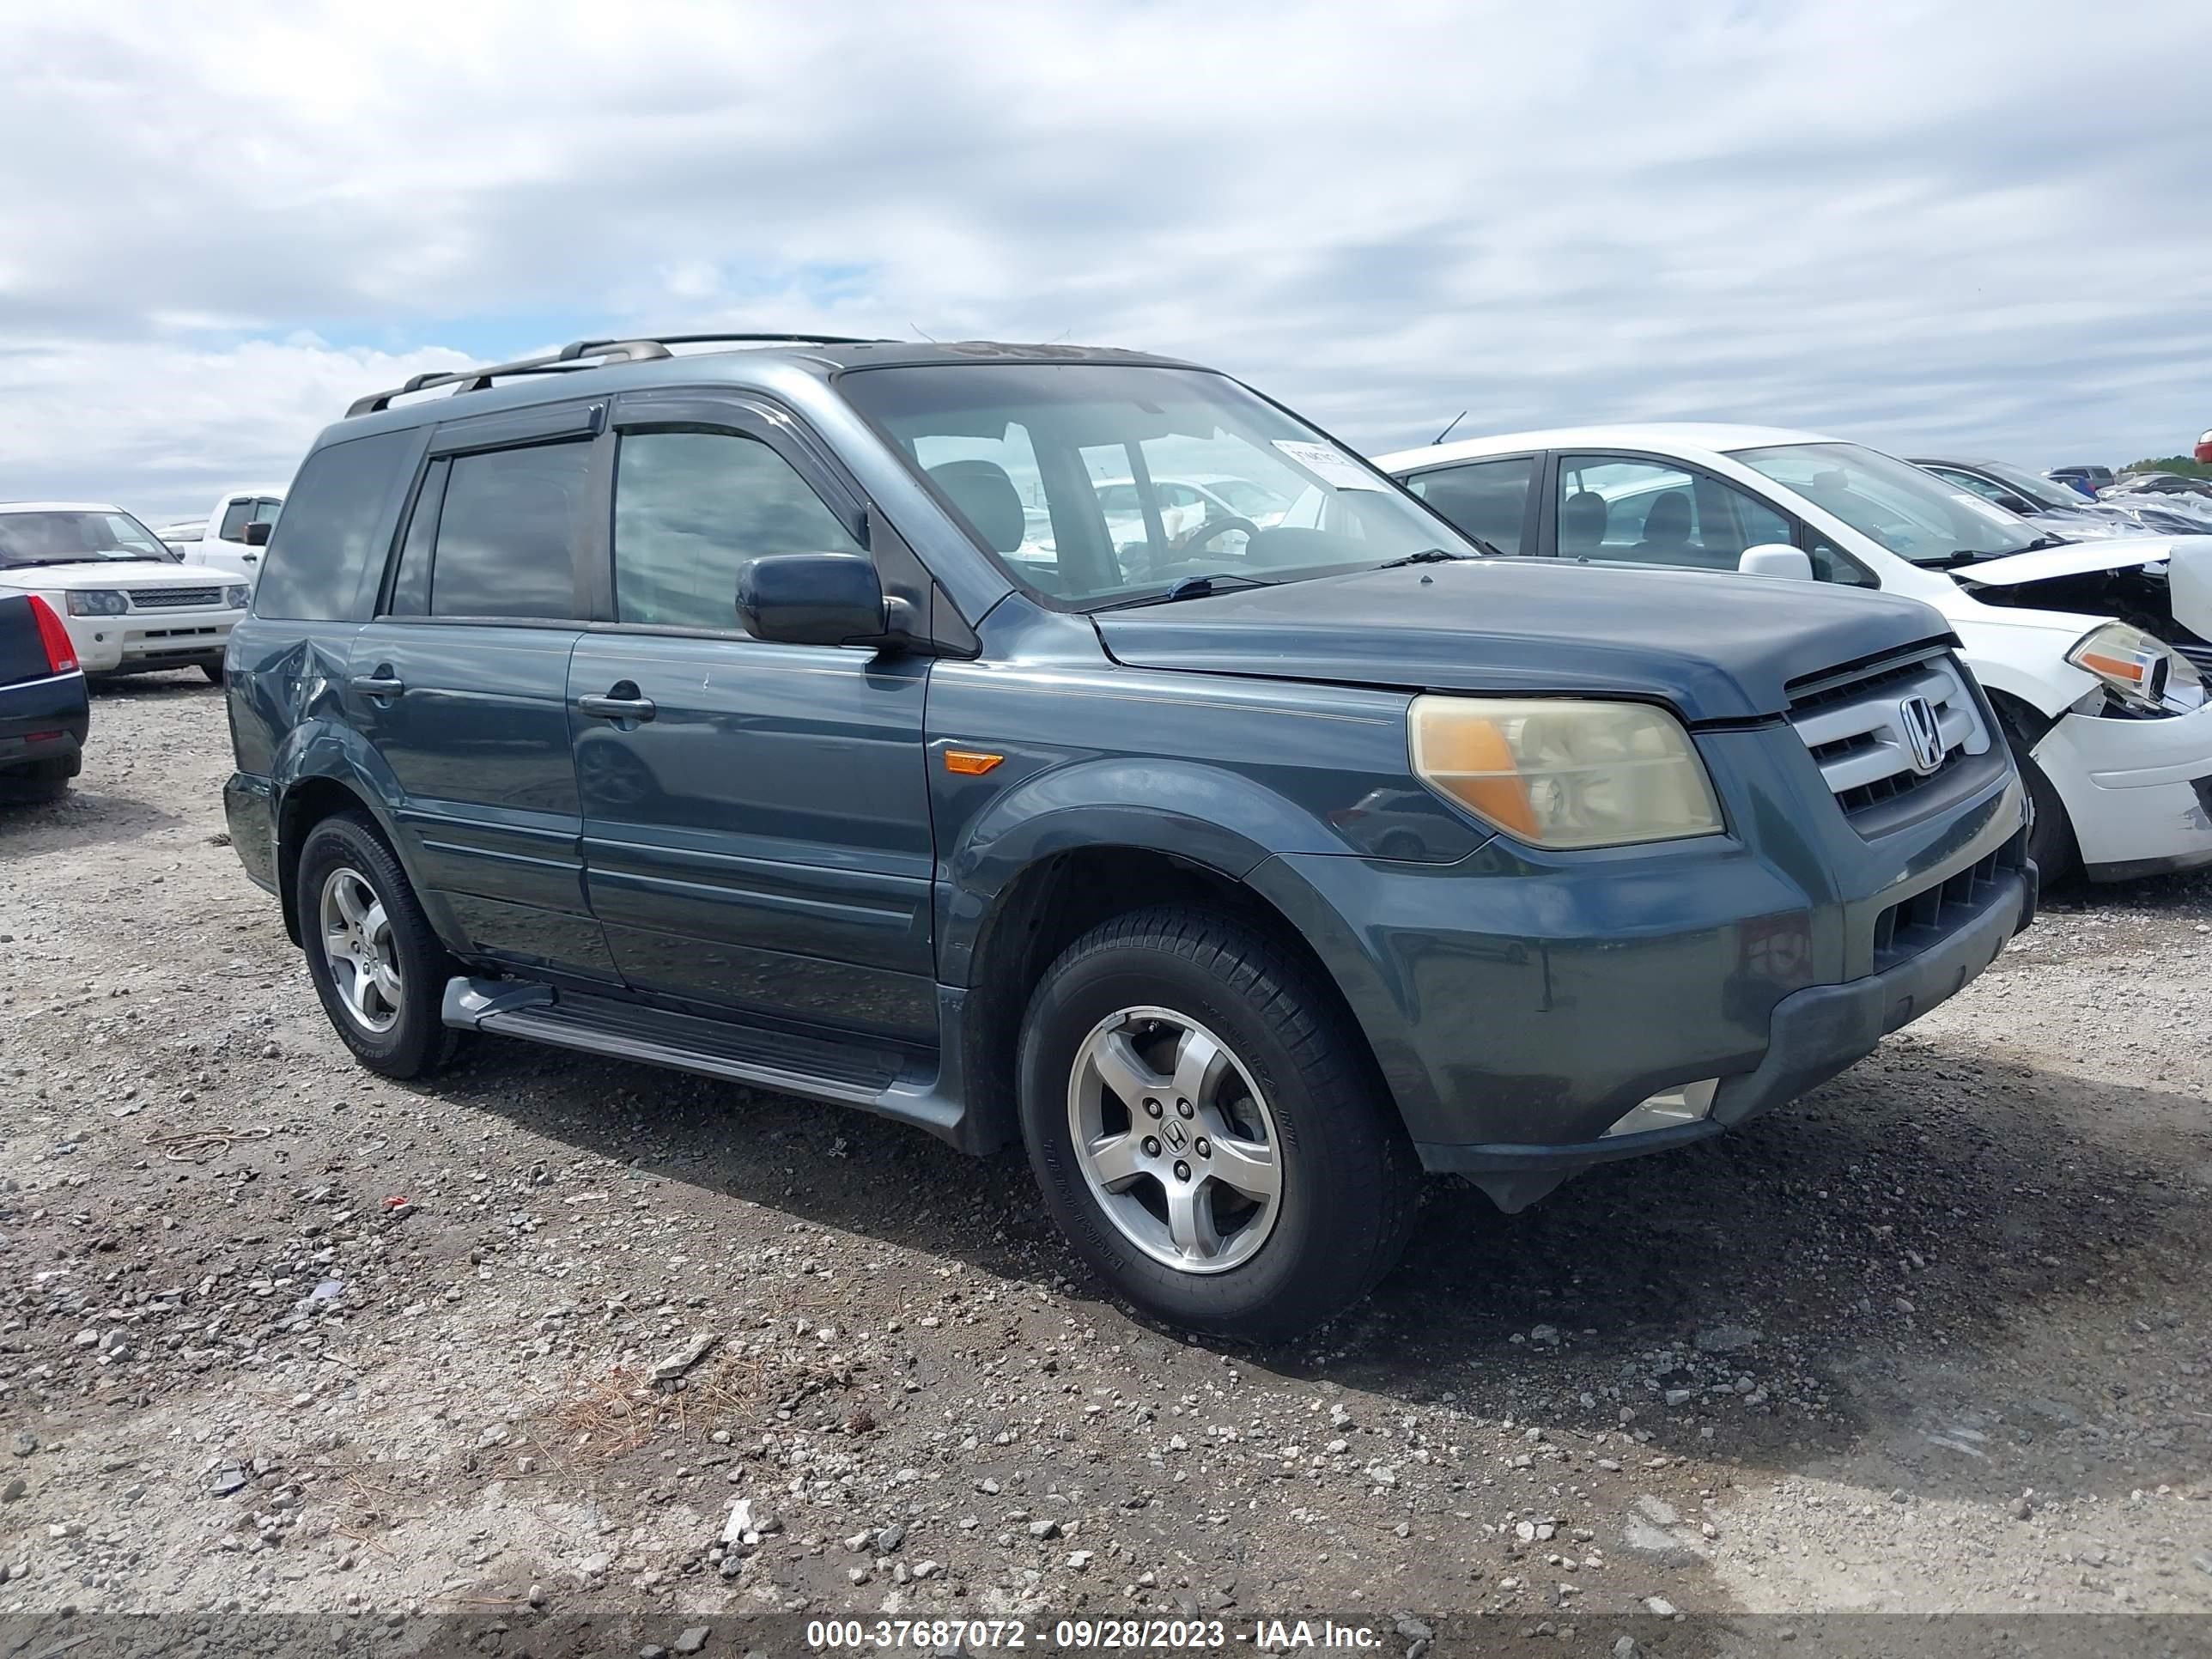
[1922,733]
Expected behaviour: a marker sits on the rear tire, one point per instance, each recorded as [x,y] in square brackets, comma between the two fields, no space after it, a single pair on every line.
[1188,1006]
[38,782]
[375,962]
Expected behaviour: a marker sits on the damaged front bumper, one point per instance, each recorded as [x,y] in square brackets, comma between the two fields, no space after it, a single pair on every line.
[2137,791]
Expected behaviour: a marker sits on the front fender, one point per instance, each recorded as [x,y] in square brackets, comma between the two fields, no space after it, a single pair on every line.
[1204,814]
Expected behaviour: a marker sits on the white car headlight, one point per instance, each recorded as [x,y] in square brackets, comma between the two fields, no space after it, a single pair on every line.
[2141,669]
[1564,773]
[233,598]
[97,602]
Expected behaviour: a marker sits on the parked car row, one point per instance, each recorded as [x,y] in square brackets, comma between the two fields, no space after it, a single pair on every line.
[1074,748]
[2092,651]
[129,603]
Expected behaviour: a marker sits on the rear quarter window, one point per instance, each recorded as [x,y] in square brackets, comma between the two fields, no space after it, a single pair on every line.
[337,523]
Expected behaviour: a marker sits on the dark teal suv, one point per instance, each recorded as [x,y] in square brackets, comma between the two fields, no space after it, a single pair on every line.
[803,712]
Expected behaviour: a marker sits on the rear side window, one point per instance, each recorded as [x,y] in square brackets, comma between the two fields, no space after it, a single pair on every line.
[507,533]
[689,508]
[1488,499]
[334,528]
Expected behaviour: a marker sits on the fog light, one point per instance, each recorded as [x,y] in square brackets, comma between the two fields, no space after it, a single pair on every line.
[1686,1103]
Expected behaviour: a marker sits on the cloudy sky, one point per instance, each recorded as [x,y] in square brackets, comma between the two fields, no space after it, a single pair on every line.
[1973,225]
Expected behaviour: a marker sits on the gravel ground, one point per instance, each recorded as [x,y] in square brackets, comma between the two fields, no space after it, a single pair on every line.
[277,1334]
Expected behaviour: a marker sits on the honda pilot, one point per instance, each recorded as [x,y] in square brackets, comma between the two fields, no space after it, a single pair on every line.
[800,712]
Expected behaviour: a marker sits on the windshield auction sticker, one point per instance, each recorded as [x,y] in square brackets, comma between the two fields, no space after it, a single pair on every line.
[1332,466]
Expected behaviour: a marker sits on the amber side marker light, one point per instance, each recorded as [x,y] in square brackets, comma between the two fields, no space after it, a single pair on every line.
[970,763]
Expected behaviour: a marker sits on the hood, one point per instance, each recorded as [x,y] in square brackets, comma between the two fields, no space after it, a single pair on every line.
[1717,647]
[117,573]
[2081,558]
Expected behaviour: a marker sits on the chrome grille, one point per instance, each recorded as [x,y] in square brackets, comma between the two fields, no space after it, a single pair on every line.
[1857,730]
[173,598]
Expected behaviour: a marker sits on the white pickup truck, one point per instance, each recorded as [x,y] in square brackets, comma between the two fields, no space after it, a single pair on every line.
[226,539]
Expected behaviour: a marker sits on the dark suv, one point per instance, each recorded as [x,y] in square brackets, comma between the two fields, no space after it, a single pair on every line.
[798,713]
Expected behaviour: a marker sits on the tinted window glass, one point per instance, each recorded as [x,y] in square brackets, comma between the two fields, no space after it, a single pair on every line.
[690,508]
[1489,499]
[265,511]
[1655,512]
[410,586]
[234,521]
[507,533]
[334,525]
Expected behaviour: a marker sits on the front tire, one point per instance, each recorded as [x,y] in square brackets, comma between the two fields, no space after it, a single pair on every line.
[213,672]
[2050,833]
[375,962]
[1209,1129]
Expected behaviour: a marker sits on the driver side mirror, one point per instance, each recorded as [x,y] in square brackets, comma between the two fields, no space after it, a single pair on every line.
[1775,559]
[257,535]
[820,599]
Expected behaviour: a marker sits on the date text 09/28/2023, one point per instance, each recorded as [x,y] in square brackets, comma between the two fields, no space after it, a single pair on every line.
[1143,1635]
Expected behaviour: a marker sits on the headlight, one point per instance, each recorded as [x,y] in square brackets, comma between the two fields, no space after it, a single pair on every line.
[234,599]
[2139,668]
[1564,773]
[97,602]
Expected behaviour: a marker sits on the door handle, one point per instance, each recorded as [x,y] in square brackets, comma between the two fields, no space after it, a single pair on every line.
[382,684]
[619,708]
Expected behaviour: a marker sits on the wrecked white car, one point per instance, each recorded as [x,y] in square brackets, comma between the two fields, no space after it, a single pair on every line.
[2093,652]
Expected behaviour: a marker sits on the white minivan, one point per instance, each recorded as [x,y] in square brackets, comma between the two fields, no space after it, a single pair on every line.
[2092,652]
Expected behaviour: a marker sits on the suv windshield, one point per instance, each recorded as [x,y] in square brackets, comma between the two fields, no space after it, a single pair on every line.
[1080,479]
[74,537]
[1915,514]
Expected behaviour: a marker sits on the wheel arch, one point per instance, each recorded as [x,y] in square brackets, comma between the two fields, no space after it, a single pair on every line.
[1062,895]
[320,772]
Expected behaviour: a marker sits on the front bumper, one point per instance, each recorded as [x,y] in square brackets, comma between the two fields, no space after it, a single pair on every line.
[1814,1034]
[2137,791]
[144,642]
[1520,1005]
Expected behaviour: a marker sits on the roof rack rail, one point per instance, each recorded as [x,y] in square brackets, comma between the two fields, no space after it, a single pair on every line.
[479,379]
[579,354]
[585,348]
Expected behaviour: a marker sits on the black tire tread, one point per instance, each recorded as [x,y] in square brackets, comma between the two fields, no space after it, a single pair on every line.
[36,783]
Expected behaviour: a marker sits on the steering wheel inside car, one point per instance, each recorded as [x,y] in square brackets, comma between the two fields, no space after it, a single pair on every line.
[1212,528]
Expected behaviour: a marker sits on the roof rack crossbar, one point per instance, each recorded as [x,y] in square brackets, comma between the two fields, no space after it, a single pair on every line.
[479,379]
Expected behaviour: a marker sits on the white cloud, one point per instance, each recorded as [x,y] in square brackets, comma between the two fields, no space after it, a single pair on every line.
[1917,222]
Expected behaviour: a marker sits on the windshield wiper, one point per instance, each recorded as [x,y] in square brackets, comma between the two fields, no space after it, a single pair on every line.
[63,558]
[1440,554]
[2044,541]
[1190,588]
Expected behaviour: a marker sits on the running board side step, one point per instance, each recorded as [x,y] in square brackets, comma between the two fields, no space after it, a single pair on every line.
[876,1078]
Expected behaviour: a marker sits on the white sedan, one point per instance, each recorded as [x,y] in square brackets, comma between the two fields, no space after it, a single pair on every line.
[2091,652]
[129,604]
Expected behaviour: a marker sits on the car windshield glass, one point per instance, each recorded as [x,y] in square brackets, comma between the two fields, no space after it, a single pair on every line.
[1913,514]
[63,538]
[2042,491]
[1095,483]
